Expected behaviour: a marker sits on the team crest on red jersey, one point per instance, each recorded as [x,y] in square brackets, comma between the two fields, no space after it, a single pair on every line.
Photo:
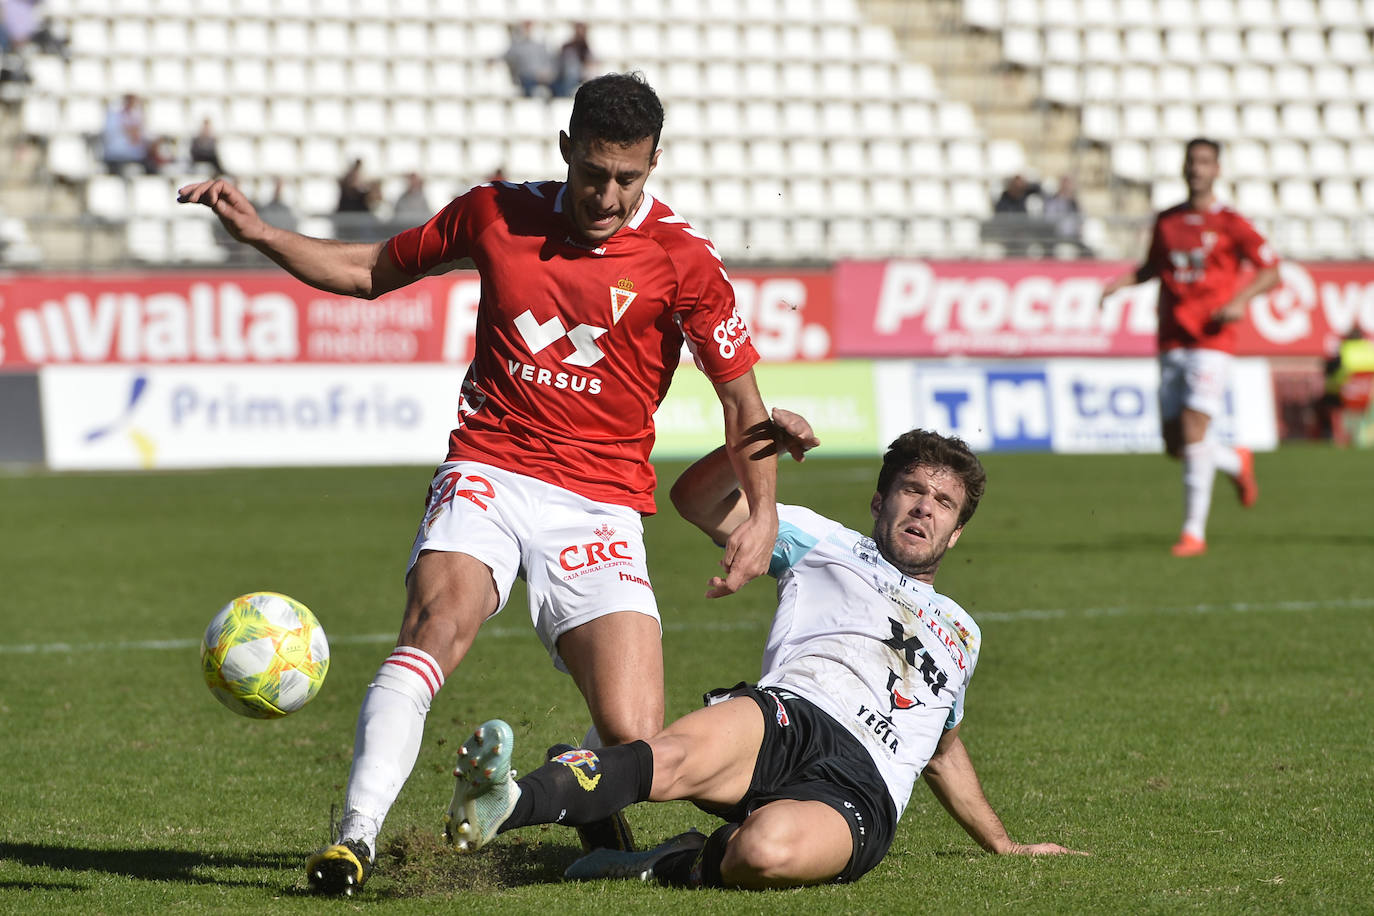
[622,295]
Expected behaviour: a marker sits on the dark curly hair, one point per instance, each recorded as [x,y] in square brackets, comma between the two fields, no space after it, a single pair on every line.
[923,448]
[618,107]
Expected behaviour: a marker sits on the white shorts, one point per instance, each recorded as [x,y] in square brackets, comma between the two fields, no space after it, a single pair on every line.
[1195,379]
[580,559]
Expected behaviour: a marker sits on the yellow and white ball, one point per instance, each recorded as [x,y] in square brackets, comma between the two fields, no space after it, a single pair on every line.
[264,655]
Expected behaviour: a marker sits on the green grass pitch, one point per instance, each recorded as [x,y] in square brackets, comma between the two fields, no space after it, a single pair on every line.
[1202,726]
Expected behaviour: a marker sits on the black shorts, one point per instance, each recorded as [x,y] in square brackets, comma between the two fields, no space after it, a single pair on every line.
[807,756]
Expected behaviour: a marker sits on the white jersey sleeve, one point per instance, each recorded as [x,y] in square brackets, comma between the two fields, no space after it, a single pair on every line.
[883,654]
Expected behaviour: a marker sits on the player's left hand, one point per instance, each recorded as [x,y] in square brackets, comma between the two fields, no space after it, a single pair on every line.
[1043,849]
[747,553]
[793,433]
[1231,311]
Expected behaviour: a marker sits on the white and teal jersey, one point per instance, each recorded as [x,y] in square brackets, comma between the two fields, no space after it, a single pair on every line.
[883,654]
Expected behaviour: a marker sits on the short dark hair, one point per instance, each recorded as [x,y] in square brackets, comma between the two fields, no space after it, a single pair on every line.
[1203,141]
[618,107]
[924,448]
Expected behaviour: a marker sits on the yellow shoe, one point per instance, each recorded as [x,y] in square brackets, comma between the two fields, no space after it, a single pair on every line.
[340,868]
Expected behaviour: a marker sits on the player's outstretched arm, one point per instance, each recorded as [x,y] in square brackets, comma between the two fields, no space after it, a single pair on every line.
[951,777]
[349,269]
[708,493]
[1262,282]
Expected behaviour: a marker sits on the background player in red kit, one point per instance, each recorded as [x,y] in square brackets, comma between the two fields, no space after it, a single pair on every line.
[1196,252]
[589,288]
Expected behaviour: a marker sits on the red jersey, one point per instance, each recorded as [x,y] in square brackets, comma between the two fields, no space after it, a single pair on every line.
[575,345]
[1197,255]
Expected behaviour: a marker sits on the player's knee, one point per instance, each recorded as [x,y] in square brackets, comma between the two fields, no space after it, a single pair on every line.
[766,852]
[633,725]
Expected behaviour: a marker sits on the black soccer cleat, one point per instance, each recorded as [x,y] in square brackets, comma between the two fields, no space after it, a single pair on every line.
[601,864]
[611,832]
[340,868]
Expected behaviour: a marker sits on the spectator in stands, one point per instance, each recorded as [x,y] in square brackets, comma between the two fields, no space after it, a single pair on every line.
[354,221]
[1013,226]
[1015,195]
[19,25]
[531,65]
[574,62]
[276,211]
[205,148]
[412,208]
[123,143]
[1061,212]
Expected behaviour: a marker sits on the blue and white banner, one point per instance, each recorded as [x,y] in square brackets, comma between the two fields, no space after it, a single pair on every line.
[1061,405]
[130,417]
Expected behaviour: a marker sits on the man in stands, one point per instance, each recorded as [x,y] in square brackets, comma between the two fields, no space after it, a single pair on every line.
[589,287]
[1196,252]
[863,686]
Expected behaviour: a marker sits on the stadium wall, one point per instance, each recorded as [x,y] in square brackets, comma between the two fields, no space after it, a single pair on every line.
[226,368]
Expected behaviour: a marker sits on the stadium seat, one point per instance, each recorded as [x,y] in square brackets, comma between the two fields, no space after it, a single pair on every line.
[1261,45]
[1062,46]
[107,198]
[193,241]
[1287,159]
[1138,85]
[1351,46]
[1167,192]
[1341,119]
[1340,197]
[147,240]
[1327,158]
[1297,197]
[69,157]
[1130,160]
[1245,159]
[1061,85]
[1255,198]
[1299,120]
[1102,46]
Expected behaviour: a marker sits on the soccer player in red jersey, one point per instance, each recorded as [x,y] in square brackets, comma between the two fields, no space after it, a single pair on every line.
[589,288]
[1196,252]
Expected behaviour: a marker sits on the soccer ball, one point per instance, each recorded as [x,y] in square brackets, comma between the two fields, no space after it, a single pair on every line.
[264,655]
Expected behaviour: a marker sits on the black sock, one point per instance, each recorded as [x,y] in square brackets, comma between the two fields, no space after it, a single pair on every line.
[583,786]
[697,868]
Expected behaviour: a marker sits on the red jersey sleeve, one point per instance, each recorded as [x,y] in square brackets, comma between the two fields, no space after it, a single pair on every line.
[705,310]
[1250,245]
[447,236]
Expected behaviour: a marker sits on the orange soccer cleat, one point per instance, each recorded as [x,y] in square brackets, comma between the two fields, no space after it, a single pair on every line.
[1189,546]
[1247,488]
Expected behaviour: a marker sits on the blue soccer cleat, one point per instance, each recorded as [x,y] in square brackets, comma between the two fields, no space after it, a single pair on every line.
[486,791]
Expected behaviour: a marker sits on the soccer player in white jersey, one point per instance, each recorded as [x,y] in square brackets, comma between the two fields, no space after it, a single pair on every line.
[863,685]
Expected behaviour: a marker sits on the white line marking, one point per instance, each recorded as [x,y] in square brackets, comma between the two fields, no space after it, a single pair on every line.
[733,626]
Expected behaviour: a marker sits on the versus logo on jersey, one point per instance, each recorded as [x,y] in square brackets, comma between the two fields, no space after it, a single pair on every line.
[622,296]
[539,335]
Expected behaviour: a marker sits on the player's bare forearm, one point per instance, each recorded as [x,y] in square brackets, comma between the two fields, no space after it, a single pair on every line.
[953,780]
[1116,284]
[1262,282]
[750,446]
[359,269]
[349,269]
[708,494]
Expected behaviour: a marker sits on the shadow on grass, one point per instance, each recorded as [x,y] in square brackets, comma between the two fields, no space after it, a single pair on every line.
[149,864]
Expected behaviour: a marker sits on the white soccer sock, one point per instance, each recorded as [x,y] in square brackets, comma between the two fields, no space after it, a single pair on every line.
[1198,473]
[391,724]
[1226,458]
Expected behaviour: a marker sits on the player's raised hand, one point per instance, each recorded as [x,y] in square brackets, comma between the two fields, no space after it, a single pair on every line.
[794,434]
[748,551]
[239,216]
